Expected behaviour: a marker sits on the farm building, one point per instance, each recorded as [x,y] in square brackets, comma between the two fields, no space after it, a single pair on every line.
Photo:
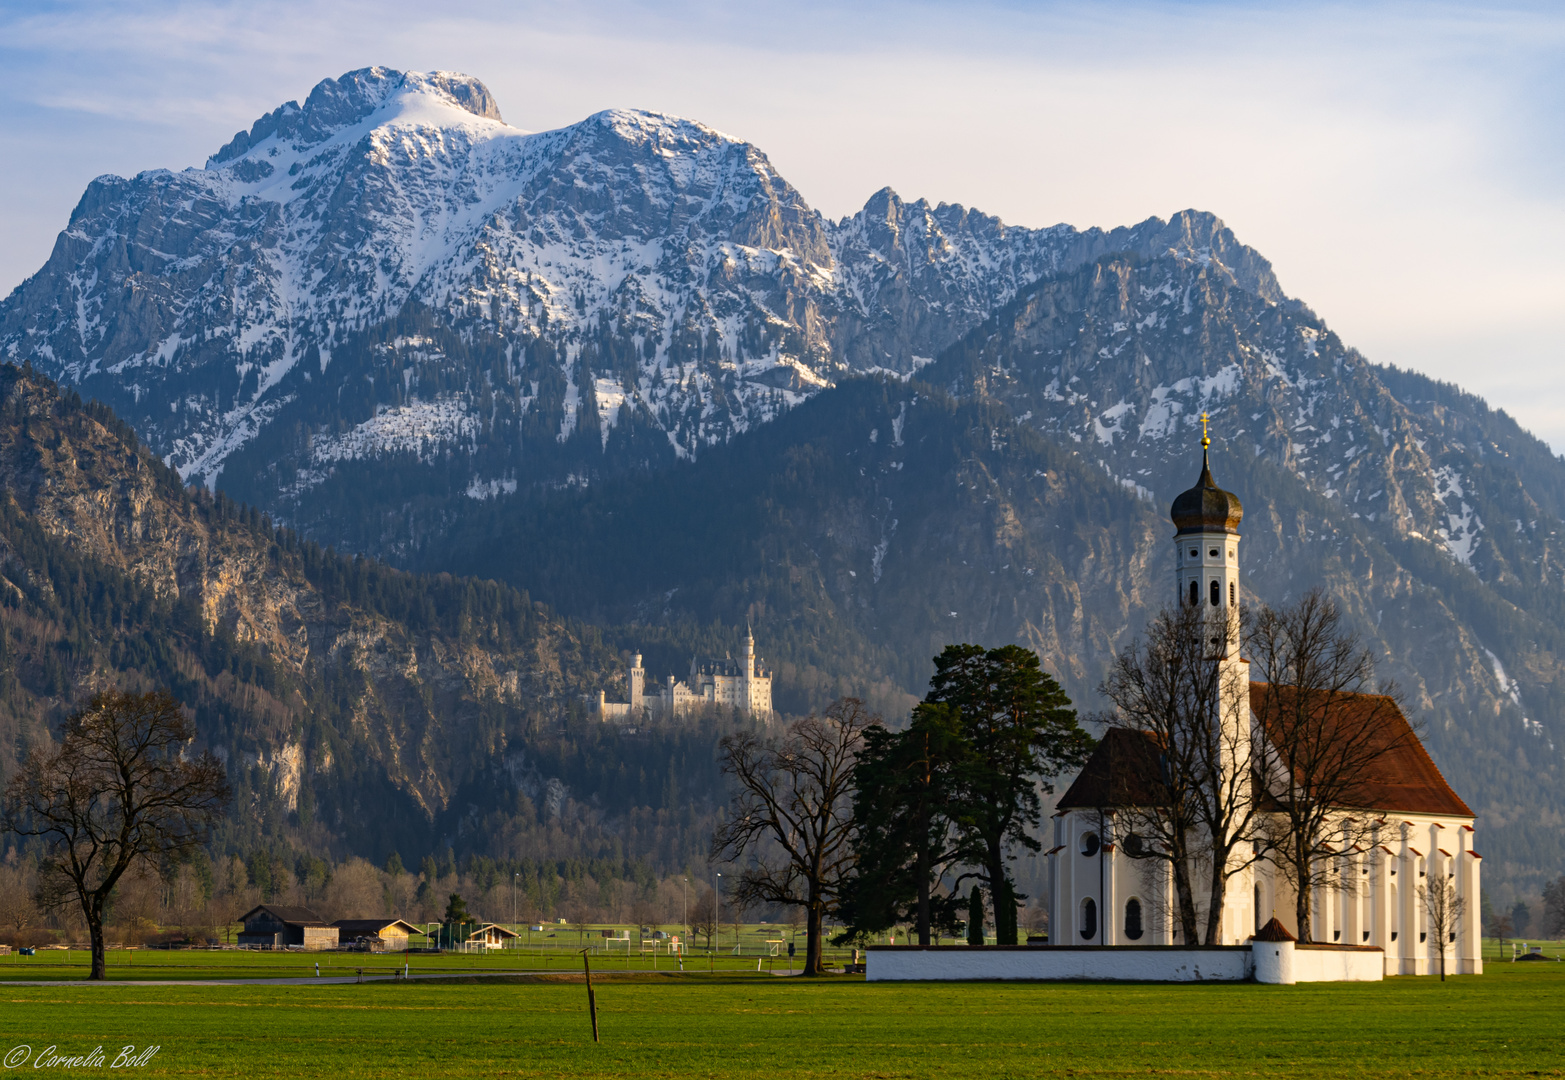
[379,935]
[491,936]
[278,927]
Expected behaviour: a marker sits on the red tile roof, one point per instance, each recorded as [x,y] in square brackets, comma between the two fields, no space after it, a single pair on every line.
[1404,778]
[1274,931]
[1125,768]
[1122,771]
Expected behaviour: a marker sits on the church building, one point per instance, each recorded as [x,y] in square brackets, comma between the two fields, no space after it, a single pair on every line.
[1415,830]
[744,684]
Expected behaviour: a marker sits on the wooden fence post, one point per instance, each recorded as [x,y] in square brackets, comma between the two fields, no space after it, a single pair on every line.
[592,1002]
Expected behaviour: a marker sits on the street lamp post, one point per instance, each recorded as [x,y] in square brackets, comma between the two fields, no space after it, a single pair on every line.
[717,907]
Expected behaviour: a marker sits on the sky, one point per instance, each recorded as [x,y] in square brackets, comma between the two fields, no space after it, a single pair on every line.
[1401,165]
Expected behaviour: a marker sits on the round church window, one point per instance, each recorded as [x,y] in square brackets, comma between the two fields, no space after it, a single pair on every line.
[1090,844]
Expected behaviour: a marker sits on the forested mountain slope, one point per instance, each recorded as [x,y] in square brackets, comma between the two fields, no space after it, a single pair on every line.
[863,530]
[359,708]
[859,534]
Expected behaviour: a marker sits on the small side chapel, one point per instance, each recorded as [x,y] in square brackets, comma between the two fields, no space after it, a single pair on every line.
[1422,830]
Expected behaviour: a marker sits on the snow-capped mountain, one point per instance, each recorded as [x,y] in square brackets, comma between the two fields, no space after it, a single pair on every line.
[634,272]
[379,314]
[1123,357]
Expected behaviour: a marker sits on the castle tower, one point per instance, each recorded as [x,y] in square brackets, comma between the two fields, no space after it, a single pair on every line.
[749,656]
[638,682]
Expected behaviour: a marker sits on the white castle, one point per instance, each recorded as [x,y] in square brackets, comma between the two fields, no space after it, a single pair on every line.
[742,684]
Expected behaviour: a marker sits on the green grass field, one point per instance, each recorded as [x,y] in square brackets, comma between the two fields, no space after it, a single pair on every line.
[1504,1023]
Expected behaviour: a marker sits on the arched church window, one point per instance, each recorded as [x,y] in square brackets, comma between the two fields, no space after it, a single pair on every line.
[1133,919]
[1217,594]
[1090,844]
[1195,594]
[1089,919]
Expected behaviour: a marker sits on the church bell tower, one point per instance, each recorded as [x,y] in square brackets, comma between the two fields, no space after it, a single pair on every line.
[1206,552]
[1206,569]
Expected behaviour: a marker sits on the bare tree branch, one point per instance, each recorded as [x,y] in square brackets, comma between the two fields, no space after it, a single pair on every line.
[1326,726]
[1201,814]
[792,814]
[117,789]
[1443,908]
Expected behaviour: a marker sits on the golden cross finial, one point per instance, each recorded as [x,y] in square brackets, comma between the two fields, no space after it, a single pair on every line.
[1205,440]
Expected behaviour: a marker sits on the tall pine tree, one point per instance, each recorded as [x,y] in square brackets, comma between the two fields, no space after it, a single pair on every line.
[1016,728]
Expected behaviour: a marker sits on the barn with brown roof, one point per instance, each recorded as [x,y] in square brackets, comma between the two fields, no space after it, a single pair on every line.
[385,934]
[278,926]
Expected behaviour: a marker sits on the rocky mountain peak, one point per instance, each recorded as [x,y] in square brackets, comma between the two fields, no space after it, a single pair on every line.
[1201,237]
[335,104]
[633,287]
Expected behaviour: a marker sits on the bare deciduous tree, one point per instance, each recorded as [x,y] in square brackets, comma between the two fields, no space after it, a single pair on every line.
[187,906]
[792,814]
[137,903]
[1200,814]
[355,891]
[1554,908]
[703,917]
[232,895]
[117,789]
[18,909]
[643,912]
[1443,908]
[1325,725]
[1154,687]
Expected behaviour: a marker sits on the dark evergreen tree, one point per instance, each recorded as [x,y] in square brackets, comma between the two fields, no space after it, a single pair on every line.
[1018,729]
[903,836]
[975,917]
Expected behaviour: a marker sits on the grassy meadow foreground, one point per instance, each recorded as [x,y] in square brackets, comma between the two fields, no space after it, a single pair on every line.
[742,1024]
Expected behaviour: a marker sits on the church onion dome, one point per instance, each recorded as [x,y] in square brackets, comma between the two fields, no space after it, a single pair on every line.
[1206,507]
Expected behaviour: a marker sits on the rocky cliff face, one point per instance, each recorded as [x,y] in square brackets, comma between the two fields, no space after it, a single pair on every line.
[337,689]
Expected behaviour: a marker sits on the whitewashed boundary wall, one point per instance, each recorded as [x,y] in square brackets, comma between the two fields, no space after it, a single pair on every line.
[1128,963]
[1286,962]
[1125,963]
